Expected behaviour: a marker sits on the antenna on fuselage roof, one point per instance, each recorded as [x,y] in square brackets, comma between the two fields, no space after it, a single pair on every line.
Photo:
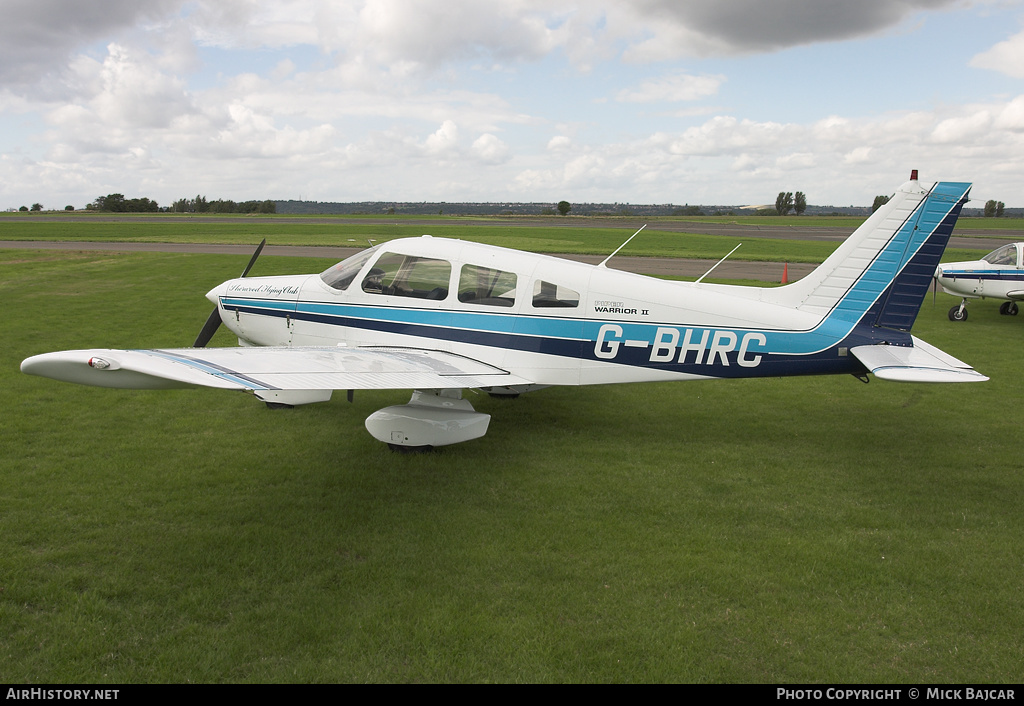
[697,281]
[605,261]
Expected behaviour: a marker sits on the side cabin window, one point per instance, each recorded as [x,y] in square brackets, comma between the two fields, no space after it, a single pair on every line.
[548,295]
[340,276]
[1006,255]
[487,287]
[400,275]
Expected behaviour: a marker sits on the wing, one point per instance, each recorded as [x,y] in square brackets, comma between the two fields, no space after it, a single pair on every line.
[922,363]
[261,370]
[1015,295]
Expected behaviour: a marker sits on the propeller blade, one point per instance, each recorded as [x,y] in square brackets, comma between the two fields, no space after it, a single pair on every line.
[252,260]
[935,288]
[214,321]
[209,328]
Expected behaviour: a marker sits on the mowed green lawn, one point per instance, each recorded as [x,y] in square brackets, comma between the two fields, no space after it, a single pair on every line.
[779,530]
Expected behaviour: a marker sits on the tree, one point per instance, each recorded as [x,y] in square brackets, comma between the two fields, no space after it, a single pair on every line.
[110,202]
[37,207]
[564,207]
[784,203]
[994,209]
[800,203]
[117,203]
[879,202]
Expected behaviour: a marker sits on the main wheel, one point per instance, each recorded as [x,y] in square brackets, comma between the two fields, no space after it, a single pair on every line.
[1008,308]
[958,314]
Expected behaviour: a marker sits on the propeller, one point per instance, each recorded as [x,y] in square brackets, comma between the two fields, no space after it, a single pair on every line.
[214,320]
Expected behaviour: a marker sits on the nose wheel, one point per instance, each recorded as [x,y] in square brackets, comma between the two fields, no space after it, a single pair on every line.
[959,312]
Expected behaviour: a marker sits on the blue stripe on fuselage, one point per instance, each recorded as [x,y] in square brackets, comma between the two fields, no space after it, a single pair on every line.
[1001,275]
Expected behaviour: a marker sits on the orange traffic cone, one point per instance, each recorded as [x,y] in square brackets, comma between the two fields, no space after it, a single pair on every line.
[785,273]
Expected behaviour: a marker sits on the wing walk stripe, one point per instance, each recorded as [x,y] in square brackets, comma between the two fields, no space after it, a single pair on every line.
[212,369]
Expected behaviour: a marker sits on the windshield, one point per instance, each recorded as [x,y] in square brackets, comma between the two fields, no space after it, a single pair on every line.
[341,275]
[1006,255]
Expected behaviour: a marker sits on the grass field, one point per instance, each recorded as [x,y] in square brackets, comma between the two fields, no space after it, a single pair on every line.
[778,530]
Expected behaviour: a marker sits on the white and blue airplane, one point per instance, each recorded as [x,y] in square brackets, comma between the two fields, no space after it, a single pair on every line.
[998,275]
[439,316]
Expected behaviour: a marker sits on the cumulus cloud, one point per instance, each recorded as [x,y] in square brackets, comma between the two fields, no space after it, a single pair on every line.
[746,158]
[559,143]
[39,36]
[1006,57]
[489,149]
[672,88]
[444,141]
[1011,116]
[738,26]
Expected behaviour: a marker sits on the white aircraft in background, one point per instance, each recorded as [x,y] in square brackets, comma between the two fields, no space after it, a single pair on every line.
[998,275]
[438,316]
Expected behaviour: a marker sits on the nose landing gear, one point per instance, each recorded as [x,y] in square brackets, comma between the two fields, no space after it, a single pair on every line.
[959,312]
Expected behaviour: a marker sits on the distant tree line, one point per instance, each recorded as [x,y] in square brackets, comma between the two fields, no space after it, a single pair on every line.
[200,205]
[117,203]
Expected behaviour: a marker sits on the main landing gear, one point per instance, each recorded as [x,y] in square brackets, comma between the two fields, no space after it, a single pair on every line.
[1008,308]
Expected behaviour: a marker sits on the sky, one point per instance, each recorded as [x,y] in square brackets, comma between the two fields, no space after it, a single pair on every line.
[614,101]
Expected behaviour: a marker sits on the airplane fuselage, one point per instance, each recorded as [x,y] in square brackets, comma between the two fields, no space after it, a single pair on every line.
[556,321]
[999,275]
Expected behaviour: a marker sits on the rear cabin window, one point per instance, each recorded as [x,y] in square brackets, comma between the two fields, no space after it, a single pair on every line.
[550,295]
[341,275]
[487,287]
[399,275]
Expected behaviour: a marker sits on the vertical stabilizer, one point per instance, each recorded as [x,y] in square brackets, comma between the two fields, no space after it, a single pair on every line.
[881,273]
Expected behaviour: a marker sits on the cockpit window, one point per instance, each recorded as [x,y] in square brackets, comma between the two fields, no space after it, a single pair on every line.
[340,276]
[1006,255]
[487,287]
[548,294]
[400,275]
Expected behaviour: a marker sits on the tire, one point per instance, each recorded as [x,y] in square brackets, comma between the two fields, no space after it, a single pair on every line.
[956,314]
[1008,308]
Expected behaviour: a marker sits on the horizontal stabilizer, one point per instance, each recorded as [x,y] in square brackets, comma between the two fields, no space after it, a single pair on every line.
[260,369]
[922,363]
